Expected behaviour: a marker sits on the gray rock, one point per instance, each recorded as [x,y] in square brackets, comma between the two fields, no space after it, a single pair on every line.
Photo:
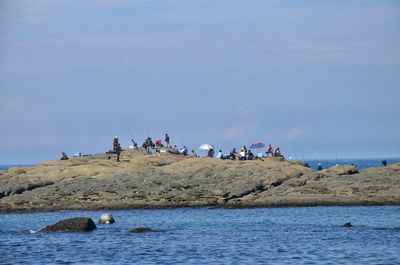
[77,224]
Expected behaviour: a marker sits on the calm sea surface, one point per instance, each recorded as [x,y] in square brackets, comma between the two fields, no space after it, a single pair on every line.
[306,235]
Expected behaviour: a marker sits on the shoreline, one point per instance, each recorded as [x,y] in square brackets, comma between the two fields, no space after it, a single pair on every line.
[209,207]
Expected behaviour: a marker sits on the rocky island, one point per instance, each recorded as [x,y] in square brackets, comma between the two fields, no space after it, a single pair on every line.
[166,180]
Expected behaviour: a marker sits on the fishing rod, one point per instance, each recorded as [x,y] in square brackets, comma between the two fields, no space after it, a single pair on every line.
[133,141]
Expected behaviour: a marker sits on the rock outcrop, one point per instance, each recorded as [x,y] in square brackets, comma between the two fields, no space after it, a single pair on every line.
[77,224]
[167,180]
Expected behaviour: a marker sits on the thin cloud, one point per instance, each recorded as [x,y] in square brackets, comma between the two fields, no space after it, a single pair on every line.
[294,134]
[12,105]
[235,133]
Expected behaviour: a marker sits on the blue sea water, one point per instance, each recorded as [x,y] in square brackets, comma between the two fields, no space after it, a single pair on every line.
[6,167]
[360,163]
[304,235]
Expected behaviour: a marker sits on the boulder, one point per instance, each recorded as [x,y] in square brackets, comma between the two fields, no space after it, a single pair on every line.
[77,224]
[141,230]
[106,218]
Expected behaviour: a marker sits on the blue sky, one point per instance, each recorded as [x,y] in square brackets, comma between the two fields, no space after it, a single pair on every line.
[317,78]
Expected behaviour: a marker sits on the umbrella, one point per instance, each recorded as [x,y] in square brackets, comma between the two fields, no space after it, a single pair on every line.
[257,145]
[206,147]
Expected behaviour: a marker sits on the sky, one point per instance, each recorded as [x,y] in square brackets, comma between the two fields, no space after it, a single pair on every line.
[319,79]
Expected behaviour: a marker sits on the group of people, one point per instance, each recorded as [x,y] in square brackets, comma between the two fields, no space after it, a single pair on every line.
[271,152]
[244,154]
[148,144]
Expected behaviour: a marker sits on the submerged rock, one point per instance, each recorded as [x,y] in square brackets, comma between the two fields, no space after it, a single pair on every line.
[106,218]
[141,230]
[77,224]
[347,225]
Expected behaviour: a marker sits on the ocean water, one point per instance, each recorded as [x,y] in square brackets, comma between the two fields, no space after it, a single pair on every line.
[6,167]
[304,235]
[360,163]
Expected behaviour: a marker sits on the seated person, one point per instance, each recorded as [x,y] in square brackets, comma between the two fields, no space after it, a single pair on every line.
[233,154]
[64,156]
[184,151]
[159,143]
[250,155]
[270,151]
[277,152]
[220,155]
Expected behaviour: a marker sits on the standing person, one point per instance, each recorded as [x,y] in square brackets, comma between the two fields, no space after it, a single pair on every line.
[384,163]
[118,150]
[210,153]
[167,140]
[115,143]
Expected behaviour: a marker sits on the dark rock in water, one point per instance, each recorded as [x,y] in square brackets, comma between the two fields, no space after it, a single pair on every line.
[347,225]
[141,230]
[77,224]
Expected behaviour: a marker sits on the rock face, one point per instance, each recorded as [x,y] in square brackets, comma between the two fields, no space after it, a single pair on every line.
[106,218]
[167,180]
[77,224]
